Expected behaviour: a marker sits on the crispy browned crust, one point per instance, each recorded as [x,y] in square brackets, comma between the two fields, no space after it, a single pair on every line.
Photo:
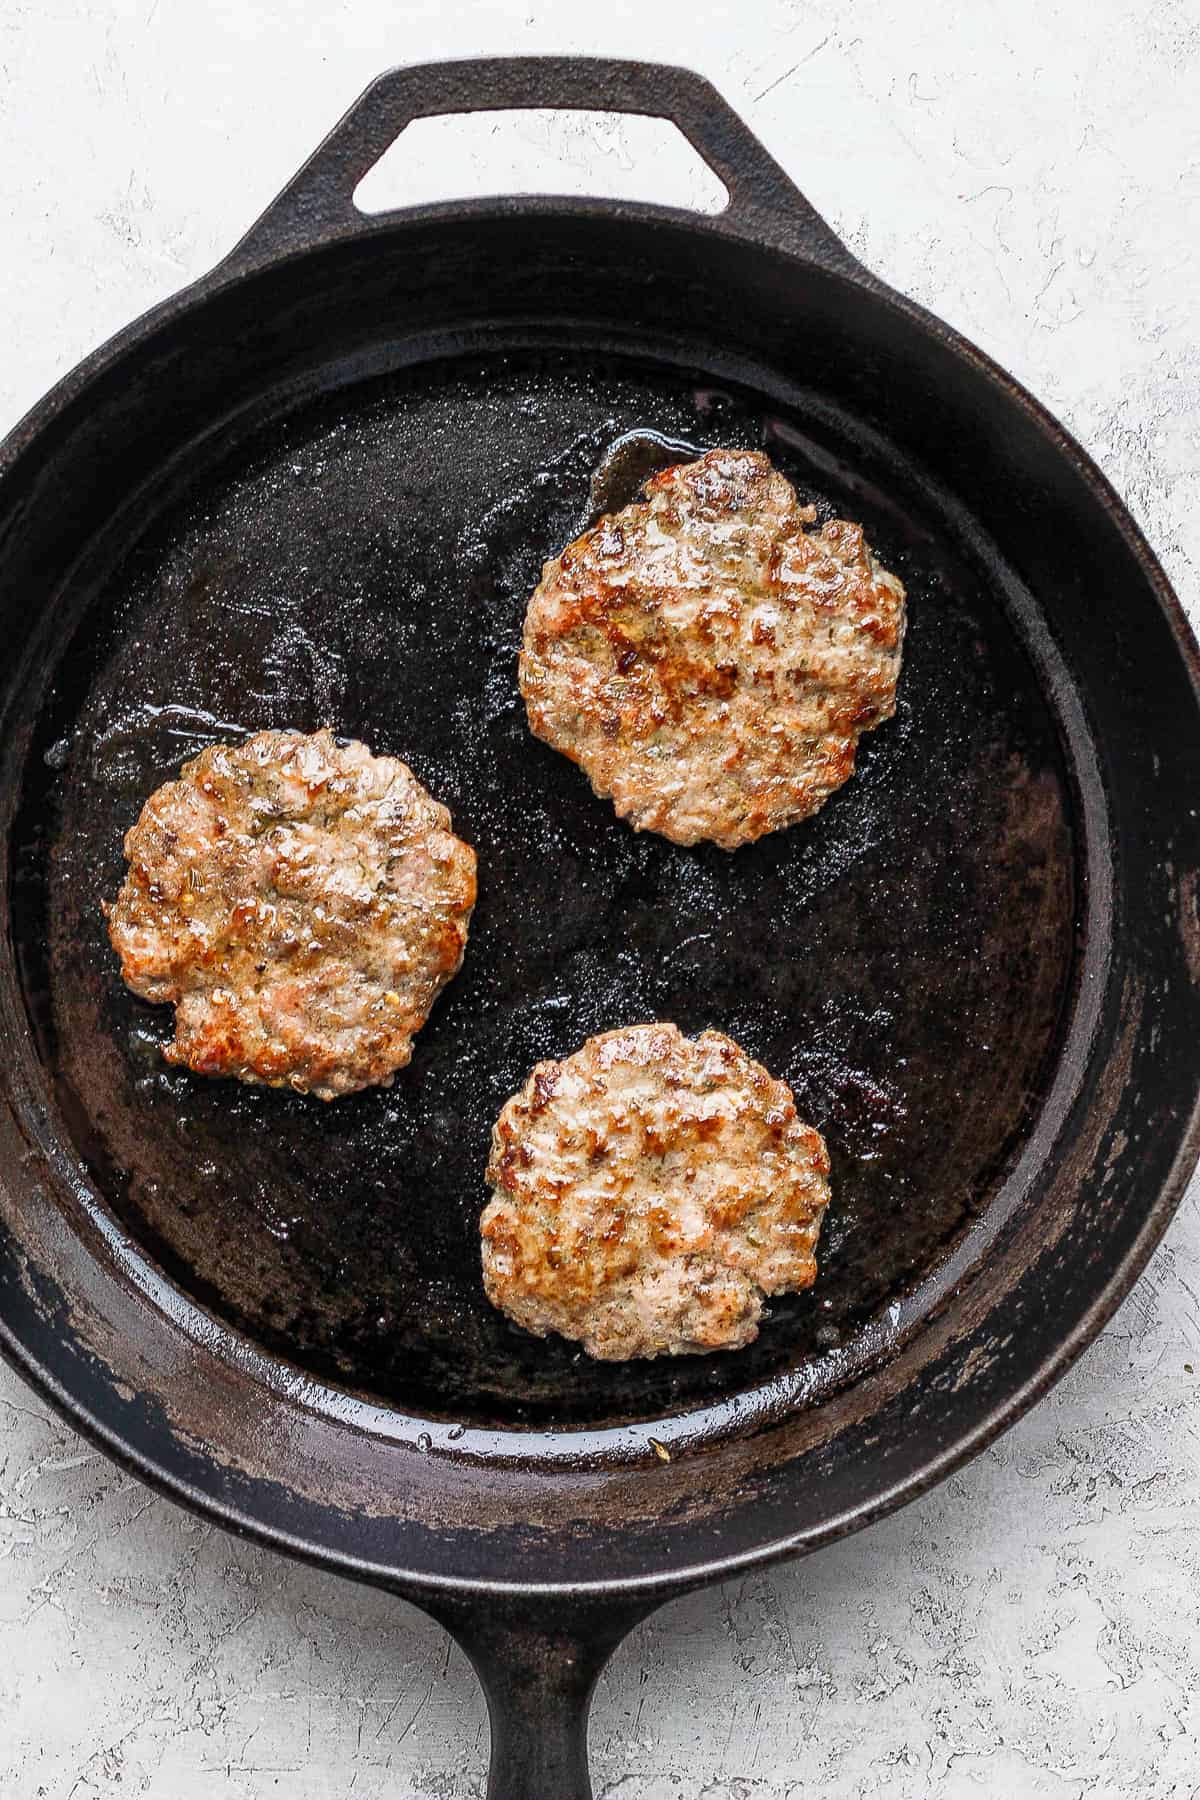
[708,661]
[302,902]
[649,1190]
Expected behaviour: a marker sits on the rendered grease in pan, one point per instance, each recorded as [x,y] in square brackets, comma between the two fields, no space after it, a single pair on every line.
[900,960]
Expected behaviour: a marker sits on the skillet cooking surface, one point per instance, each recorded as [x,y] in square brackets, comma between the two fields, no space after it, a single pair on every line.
[902,960]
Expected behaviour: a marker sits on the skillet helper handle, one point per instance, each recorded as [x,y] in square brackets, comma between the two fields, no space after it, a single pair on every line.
[317,206]
[538,1672]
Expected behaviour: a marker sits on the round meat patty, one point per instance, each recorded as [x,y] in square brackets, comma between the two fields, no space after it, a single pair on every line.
[650,1190]
[706,660]
[302,902]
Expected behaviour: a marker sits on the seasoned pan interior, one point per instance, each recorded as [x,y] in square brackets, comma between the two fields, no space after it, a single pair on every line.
[364,561]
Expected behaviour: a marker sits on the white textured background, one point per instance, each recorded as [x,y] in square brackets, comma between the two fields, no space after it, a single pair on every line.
[1030,169]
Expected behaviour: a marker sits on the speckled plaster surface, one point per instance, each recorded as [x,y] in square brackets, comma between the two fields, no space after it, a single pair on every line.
[1032,171]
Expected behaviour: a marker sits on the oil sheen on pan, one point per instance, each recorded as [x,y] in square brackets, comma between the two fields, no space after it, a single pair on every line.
[901,960]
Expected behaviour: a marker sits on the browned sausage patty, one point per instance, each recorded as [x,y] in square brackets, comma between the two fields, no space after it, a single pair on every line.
[302,902]
[708,661]
[650,1190]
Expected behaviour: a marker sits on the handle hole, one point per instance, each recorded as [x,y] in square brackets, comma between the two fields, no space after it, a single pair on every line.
[548,150]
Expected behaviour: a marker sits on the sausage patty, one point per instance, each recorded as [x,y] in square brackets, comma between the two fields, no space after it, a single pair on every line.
[650,1190]
[708,661]
[302,902]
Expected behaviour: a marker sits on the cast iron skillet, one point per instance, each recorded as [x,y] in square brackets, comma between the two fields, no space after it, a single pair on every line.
[317,487]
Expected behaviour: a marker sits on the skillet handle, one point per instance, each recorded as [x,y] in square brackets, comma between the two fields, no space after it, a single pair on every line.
[538,1674]
[317,206]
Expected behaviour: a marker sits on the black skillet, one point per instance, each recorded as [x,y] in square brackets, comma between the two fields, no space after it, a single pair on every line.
[318,486]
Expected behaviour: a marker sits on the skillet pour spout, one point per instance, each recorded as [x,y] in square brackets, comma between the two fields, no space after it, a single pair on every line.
[318,487]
